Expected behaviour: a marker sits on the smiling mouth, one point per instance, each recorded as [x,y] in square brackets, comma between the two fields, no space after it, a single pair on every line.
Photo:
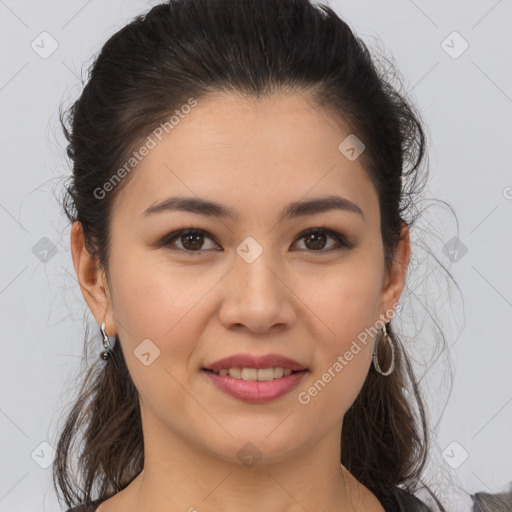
[256,385]
[255,374]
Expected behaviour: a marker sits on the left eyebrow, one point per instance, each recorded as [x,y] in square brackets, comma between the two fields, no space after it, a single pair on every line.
[214,209]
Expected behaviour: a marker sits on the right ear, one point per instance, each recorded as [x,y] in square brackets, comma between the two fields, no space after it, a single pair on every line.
[92,280]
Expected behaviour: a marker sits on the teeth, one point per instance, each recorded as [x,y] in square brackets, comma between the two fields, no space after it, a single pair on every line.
[261,374]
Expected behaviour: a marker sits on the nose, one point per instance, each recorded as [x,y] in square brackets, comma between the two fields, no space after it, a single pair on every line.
[257,297]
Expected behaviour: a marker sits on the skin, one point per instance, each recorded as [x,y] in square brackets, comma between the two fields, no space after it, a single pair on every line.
[254,156]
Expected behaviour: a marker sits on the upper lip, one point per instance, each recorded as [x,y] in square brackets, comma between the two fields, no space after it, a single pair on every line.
[253,361]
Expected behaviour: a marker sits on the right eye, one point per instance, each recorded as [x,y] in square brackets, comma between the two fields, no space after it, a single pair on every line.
[191,240]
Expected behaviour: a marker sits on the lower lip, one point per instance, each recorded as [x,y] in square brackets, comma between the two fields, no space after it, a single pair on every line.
[256,391]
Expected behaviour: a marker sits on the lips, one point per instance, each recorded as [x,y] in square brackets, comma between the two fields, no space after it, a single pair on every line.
[253,361]
[256,391]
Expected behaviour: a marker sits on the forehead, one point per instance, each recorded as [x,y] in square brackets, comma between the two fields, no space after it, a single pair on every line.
[254,154]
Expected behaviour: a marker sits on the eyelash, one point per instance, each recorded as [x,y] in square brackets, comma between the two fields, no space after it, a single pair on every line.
[343,243]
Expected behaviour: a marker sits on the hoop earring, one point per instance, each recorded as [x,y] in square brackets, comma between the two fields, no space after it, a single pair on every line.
[376,358]
[107,353]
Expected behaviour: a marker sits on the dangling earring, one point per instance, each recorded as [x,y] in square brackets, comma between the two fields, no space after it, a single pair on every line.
[376,358]
[107,353]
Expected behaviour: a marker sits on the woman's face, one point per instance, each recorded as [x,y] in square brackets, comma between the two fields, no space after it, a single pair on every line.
[253,283]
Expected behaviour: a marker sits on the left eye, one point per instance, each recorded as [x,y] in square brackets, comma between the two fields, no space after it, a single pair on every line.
[192,240]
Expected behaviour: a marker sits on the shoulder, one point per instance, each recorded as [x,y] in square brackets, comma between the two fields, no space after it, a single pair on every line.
[402,501]
[86,507]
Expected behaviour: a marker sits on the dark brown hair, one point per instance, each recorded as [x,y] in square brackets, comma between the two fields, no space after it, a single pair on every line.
[192,49]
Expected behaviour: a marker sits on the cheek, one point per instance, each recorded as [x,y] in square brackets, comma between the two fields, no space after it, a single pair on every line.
[154,298]
[161,311]
[157,313]
[346,307]
[345,300]
[339,372]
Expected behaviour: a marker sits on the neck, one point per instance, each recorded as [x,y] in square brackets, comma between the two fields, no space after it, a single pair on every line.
[179,475]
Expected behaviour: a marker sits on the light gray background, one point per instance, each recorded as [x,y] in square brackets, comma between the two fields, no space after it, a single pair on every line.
[466,103]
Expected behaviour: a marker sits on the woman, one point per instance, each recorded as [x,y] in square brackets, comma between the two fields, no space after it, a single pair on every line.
[242,196]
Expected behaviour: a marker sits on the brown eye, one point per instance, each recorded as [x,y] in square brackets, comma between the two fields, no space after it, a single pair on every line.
[191,240]
[315,240]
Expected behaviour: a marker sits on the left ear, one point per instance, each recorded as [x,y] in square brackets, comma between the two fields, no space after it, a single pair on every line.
[394,279]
